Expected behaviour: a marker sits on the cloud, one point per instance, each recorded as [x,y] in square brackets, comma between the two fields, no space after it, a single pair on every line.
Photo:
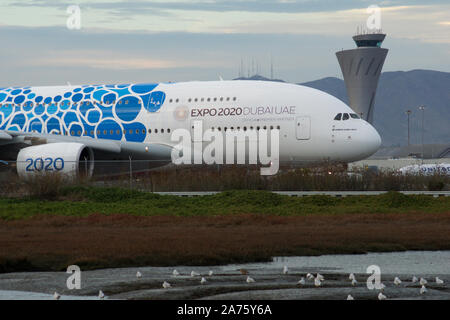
[98,59]
[275,6]
[401,19]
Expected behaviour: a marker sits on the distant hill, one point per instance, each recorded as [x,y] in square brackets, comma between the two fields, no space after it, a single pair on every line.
[397,92]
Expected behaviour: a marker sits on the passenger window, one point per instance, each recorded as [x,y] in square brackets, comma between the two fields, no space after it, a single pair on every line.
[345,117]
[338,116]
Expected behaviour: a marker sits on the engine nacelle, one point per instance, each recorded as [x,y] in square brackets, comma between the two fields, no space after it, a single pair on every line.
[71,159]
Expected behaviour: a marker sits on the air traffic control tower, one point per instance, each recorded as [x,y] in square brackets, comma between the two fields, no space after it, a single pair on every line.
[361,68]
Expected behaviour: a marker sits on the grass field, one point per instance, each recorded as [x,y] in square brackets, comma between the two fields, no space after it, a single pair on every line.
[111,227]
[83,201]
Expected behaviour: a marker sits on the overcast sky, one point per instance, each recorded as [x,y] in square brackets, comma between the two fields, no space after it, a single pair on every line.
[150,41]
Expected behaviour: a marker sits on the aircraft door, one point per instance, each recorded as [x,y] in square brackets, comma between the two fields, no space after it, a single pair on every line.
[303,128]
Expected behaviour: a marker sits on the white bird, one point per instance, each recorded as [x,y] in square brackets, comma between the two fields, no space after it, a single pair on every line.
[193,274]
[101,295]
[166,285]
[250,280]
[349,297]
[317,282]
[302,281]
[351,277]
[210,273]
[397,281]
[56,296]
[354,282]
[203,281]
[320,277]
[414,279]
[285,270]
[381,296]
[423,290]
[175,273]
[423,282]
[439,281]
[138,274]
[309,276]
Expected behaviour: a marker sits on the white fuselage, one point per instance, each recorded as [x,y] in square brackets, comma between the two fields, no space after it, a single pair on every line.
[305,117]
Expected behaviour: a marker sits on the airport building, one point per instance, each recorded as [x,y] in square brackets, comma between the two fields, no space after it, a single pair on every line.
[361,68]
[394,158]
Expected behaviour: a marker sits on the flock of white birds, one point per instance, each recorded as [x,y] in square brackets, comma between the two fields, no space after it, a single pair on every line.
[318,280]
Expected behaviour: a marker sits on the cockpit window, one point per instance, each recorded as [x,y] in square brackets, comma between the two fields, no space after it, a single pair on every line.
[354,116]
[345,117]
[338,116]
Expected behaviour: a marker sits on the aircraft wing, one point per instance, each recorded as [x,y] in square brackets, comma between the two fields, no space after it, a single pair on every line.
[11,137]
[5,136]
[137,148]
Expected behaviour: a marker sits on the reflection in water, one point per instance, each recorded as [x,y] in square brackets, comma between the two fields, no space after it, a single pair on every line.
[408,262]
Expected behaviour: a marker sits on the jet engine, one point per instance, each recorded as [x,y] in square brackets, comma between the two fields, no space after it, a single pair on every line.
[71,159]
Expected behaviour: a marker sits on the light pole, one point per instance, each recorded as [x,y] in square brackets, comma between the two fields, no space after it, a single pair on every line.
[408,112]
[423,130]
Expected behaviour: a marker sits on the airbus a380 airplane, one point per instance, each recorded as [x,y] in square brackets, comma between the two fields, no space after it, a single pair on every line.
[56,128]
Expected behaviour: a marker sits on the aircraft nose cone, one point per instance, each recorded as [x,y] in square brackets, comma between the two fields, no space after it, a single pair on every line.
[372,140]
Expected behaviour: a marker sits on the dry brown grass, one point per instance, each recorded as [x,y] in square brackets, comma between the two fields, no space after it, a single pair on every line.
[54,242]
